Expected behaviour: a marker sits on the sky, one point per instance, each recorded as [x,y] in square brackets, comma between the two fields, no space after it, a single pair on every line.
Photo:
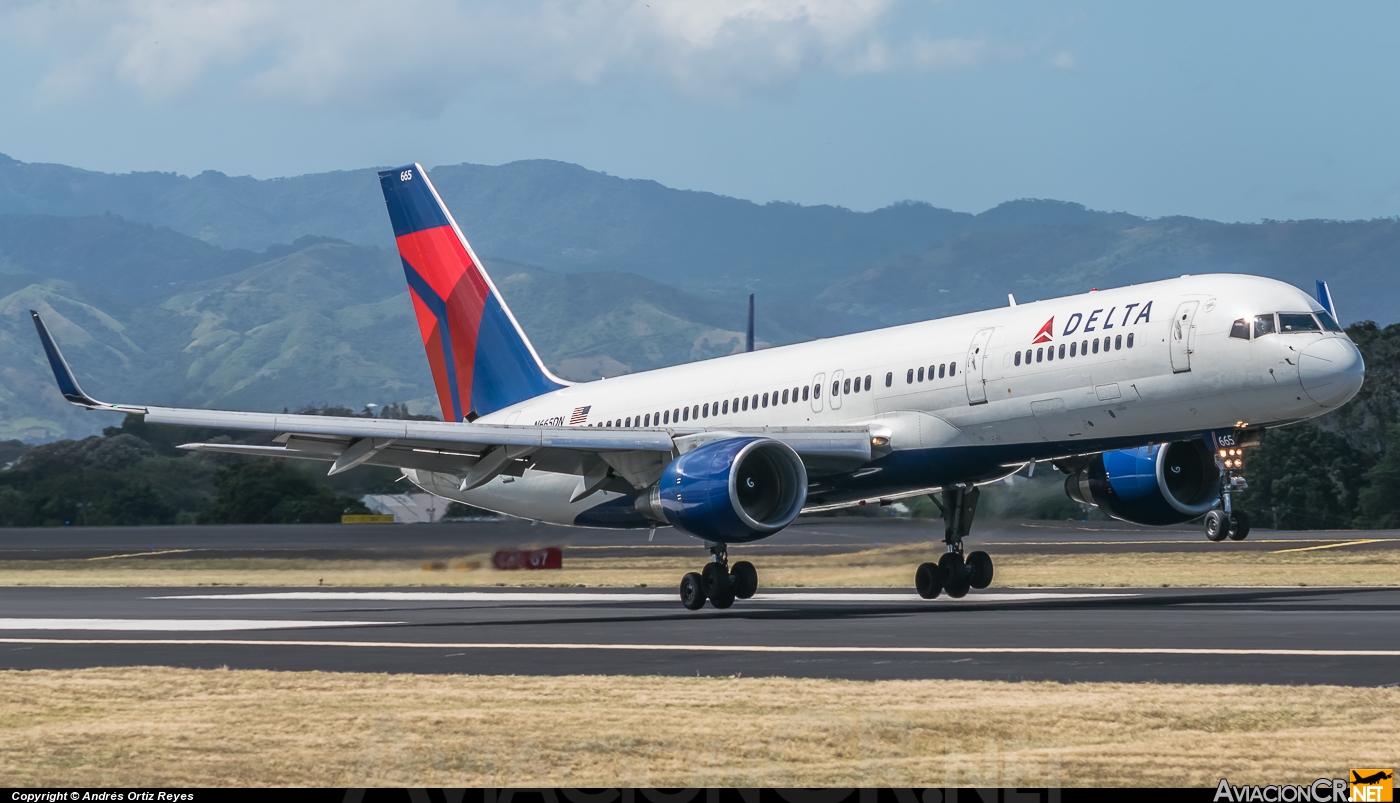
[1230,111]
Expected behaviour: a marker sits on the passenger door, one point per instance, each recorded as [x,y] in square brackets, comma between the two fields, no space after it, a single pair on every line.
[975,367]
[1182,336]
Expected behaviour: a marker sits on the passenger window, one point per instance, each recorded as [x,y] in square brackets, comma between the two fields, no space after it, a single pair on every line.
[725,408]
[1062,351]
[816,391]
[1049,353]
[889,379]
[930,372]
[1264,325]
[1118,343]
[629,421]
[676,415]
[952,368]
[857,387]
[1130,340]
[867,381]
[705,410]
[1096,345]
[909,379]
[846,387]
[755,401]
[1328,322]
[685,413]
[765,400]
[1240,329]
[1084,347]
[1296,322]
[785,396]
[746,402]
[1073,349]
[668,416]
[805,390]
[921,373]
[695,411]
[1028,356]
[1018,358]
[1040,355]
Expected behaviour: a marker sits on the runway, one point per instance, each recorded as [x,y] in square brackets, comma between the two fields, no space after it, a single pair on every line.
[1299,636]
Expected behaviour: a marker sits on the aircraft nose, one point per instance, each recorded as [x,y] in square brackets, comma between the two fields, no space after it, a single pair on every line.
[1331,371]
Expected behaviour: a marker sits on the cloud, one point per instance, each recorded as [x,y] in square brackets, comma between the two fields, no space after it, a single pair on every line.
[420,54]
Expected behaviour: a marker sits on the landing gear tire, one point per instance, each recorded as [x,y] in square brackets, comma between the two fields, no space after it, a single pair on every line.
[926,581]
[953,573]
[692,591]
[718,585]
[745,578]
[1217,525]
[1239,525]
[979,570]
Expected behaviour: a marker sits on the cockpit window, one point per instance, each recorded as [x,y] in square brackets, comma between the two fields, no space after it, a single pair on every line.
[1296,322]
[1328,322]
[1240,329]
[1264,325]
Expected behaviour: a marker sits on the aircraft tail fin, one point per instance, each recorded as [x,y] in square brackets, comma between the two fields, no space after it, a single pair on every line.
[481,359]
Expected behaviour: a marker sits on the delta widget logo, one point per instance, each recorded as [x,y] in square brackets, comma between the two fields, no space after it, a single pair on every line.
[1098,320]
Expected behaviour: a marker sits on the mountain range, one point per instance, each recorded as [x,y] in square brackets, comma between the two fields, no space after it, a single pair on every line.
[225,291]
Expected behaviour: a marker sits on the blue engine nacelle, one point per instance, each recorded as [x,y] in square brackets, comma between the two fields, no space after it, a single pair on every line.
[730,491]
[1160,484]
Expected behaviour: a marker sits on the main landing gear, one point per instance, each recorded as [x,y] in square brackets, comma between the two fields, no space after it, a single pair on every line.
[1226,522]
[953,573]
[720,583]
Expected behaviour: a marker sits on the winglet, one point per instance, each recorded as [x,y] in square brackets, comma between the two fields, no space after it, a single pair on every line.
[1324,297]
[67,384]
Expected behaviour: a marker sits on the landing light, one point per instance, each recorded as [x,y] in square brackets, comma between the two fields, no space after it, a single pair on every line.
[879,440]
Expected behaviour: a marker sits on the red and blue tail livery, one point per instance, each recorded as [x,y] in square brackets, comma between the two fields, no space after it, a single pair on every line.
[480,358]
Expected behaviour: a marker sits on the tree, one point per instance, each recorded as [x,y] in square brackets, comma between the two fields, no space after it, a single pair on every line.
[273,492]
[1304,477]
[1380,499]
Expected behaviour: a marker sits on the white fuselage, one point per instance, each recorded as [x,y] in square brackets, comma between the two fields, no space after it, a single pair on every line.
[971,397]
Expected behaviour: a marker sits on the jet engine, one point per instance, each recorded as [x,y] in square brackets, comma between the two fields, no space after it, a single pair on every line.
[730,491]
[1164,483]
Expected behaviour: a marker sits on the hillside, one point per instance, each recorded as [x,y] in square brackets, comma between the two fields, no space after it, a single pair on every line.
[319,320]
[230,291]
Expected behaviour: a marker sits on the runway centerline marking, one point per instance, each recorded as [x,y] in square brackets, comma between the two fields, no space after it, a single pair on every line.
[422,645]
[1334,546]
[576,597]
[174,625]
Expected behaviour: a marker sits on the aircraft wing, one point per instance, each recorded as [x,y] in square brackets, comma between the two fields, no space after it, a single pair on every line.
[477,453]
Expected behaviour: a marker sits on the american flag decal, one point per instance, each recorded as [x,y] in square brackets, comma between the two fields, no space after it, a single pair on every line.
[580,415]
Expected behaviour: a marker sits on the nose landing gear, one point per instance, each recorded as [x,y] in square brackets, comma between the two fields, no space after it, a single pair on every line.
[1226,522]
[953,573]
[718,582]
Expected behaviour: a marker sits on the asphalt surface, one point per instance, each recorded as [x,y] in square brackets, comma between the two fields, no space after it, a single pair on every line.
[1331,636]
[1310,636]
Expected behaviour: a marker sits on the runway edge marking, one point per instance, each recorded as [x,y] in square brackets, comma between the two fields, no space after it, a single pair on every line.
[424,645]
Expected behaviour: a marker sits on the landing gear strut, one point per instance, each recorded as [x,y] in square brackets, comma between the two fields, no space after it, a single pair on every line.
[953,572]
[1226,522]
[718,582]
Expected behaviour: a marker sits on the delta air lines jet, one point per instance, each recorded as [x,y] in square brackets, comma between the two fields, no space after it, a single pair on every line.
[1144,396]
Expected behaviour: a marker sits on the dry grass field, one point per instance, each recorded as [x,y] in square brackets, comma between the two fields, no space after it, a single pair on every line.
[884,567]
[158,726]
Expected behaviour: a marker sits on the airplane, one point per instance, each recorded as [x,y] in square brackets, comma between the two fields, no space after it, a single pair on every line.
[1145,396]
[1373,778]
